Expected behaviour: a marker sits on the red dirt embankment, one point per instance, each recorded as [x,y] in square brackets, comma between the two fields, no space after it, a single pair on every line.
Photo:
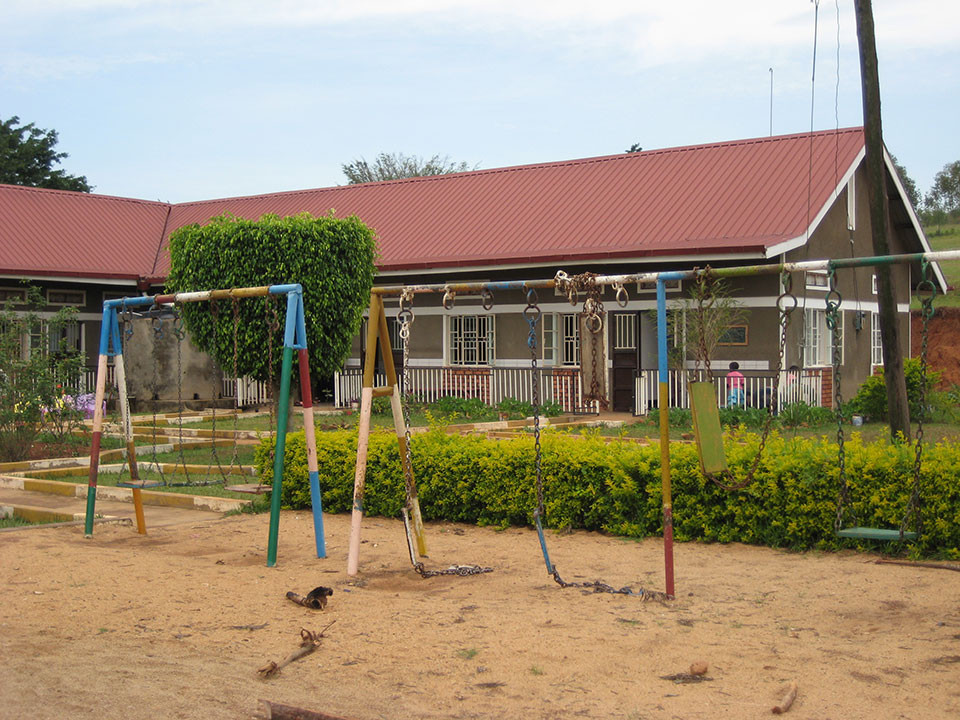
[943,343]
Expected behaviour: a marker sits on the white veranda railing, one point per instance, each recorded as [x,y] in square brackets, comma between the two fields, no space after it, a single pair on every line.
[758,390]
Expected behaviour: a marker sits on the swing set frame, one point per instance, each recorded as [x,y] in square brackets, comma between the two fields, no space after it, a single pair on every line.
[294,338]
[377,329]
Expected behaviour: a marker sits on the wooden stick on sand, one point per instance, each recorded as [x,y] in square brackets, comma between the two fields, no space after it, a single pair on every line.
[787,700]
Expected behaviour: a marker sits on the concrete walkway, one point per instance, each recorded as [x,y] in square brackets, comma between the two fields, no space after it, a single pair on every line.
[50,501]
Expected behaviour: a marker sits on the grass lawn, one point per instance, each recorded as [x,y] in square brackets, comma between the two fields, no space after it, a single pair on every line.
[12,522]
[215,489]
[946,237]
[204,456]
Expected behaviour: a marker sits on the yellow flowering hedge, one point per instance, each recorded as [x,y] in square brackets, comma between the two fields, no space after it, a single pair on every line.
[616,487]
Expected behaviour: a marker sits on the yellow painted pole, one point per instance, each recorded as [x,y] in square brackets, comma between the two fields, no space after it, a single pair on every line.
[363,435]
[127,423]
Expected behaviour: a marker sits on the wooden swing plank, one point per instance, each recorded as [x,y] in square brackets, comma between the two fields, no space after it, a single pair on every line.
[865,533]
[706,427]
[250,488]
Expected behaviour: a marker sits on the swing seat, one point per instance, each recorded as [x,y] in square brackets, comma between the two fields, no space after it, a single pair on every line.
[706,427]
[250,488]
[139,484]
[866,533]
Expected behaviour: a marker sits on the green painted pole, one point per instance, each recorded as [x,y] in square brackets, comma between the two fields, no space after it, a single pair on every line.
[283,411]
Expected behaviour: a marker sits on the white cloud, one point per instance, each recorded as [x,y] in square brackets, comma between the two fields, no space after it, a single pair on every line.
[637,33]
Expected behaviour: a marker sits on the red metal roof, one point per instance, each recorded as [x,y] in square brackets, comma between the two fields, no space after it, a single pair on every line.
[735,197]
[60,233]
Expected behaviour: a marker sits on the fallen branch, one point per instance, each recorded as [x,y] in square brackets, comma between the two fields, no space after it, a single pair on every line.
[316,599]
[276,711]
[685,678]
[249,627]
[911,563]
[309,641]
[787,700]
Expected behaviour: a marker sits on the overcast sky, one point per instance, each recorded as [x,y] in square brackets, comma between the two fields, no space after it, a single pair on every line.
[181,100]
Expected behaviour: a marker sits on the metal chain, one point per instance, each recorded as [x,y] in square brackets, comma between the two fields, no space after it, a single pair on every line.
[786,304]
[834,321]
[273,326]
[236,395]
[461,570]
[601,587]
[179,333]
[157,337]
[532,315]
[215,314]
[705,301]
[406,317]
[927,291]
[594,319]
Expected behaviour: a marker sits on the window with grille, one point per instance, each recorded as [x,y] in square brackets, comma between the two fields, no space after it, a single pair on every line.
[56,339]
[625,332]
[66,297]
[471,339]
[817,341]
[571,339]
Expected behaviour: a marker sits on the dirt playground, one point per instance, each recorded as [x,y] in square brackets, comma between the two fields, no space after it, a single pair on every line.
[177,623]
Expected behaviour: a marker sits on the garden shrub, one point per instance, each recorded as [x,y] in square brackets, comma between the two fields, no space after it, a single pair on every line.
[616,487]
[871,398]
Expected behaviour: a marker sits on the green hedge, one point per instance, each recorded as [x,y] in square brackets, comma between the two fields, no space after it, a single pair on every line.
[616,487]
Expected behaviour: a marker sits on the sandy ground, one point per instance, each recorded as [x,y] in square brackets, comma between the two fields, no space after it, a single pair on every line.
[123,626]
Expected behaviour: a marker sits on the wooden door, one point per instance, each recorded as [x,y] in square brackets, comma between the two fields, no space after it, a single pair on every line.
[625,358]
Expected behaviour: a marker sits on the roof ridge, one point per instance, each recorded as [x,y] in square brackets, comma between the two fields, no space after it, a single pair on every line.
[76,193]
[446,177]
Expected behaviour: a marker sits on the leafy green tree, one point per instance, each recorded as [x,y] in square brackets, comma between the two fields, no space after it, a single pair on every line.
[332,258]
[38,386]
[396,166]
[943,200]
[686,323]
[635,148]
[27,157]
[913,194]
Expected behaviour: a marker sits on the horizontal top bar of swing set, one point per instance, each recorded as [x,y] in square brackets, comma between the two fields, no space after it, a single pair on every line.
[742,271]
[204,295]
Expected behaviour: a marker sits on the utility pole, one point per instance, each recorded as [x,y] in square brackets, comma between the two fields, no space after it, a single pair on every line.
[771,102]
[898,408]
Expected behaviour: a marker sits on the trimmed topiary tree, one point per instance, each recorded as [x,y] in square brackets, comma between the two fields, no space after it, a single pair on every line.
[332,258]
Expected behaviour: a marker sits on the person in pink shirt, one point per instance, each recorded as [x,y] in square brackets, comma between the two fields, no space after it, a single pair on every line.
[736,385]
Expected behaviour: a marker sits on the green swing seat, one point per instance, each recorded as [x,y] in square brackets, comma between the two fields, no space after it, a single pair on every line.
[866,533]
[706,427]
[139,484]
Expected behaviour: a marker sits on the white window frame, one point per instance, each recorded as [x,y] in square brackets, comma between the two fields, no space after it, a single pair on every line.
[822,282]
[876,341]
[83,297]
[472,340]
[19,295]
[549,338]
[817,341]
[852,203]
[648,286]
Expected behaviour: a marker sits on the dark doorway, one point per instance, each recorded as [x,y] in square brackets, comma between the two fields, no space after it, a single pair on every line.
[625,358]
